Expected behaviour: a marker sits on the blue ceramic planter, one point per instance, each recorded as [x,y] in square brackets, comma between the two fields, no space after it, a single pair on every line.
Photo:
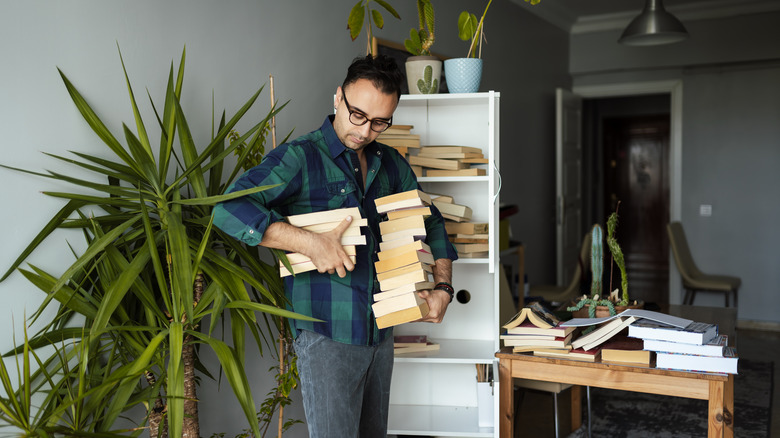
[463,74]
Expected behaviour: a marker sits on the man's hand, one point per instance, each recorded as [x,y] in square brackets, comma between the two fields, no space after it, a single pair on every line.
[327,254]
[438,300]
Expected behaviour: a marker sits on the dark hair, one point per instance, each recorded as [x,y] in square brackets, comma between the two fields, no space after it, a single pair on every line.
[382,71]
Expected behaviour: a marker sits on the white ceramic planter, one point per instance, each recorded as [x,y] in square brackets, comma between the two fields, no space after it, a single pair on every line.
[463,74]
[423,74]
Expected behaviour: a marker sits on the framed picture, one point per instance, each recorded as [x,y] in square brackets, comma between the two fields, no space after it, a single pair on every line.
[398,52]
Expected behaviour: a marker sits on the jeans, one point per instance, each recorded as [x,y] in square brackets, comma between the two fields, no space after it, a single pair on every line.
[345,388]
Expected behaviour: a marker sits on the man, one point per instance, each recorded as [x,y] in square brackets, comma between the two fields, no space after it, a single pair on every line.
[345,362]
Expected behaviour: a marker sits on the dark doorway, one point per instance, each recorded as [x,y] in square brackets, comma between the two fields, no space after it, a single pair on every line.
[626,143]
[636,163]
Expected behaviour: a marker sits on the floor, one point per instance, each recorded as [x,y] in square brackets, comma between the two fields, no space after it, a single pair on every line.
[535,416]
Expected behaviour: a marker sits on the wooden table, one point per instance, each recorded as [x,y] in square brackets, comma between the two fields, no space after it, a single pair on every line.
[718,389]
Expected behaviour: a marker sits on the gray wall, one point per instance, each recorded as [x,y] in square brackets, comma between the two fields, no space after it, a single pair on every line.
[730,71]
[232,47]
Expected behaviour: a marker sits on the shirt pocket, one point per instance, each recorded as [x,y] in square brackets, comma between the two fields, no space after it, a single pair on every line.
[341,193]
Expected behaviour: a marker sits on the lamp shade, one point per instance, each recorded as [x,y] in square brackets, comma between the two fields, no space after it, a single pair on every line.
[653,26]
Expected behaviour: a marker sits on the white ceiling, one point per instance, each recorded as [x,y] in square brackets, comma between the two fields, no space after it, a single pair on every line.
[579,16]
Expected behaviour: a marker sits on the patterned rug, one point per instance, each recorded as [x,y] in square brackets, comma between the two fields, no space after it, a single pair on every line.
[621,414]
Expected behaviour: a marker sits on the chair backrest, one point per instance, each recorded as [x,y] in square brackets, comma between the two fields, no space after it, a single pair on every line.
[583,263]
[681,251]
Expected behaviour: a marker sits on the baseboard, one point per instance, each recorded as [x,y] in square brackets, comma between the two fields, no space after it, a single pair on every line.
[758,325]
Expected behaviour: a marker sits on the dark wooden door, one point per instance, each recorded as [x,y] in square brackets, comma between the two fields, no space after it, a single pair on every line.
[636,153]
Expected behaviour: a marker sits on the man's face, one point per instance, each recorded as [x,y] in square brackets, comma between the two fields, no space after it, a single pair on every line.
[366,101]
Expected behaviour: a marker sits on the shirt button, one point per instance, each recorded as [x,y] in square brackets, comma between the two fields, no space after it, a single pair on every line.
[251,231]
[342,190]
[372,170]
[379,152]
[357,170]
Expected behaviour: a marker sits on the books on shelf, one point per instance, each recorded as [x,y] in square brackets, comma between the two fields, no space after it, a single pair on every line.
[622,349]
[441,197]
[449,149]
[602,333]
[466,227]
[471,171]
[437,163]
[455,212]
[536,314]
[691,362]
[698,333]
[716,346]
[402,316]
[411,198]
[413,344]
[471,247]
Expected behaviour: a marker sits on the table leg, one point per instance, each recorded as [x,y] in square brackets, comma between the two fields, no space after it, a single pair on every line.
[576,407]
[720,422]
[506,399]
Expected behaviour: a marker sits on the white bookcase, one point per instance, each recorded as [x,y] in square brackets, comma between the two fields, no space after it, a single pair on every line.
[435,394]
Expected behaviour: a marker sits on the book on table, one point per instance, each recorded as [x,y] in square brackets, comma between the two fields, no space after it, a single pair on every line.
[622,349]
[529,328]
[402,316]
[691,362]
[408,199]
[536,314]
[575,354]
[533,341]
[602,333]
[638,313]
[715,347]
[698,333]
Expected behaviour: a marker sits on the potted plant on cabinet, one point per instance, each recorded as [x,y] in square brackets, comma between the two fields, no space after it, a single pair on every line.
[465,74]
[362,13]
[131,305]
[423,71]
[597,305]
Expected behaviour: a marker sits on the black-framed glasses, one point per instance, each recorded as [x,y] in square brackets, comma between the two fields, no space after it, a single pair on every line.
[359,119]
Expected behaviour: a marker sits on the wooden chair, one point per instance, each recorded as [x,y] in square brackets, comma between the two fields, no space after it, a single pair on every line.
[562,294]
[693,279]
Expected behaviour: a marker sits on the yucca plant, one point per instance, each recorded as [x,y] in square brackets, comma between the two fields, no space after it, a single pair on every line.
[130,307]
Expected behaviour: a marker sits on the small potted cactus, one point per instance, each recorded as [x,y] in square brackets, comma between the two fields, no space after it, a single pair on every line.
[597,304]
[423,70]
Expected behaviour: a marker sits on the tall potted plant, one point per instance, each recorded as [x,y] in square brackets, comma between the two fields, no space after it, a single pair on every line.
[132,307]
[362,14]
[423,71]
[465,74]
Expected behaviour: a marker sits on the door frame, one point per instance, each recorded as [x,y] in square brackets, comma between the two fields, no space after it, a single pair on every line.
[675,89]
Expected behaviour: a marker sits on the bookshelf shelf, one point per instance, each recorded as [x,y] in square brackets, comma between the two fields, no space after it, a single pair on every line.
[435,393]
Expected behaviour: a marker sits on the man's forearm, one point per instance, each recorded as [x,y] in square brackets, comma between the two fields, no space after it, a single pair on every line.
[442,271]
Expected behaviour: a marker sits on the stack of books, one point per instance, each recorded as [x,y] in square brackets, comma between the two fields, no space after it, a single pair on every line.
[449,160]
[405,344]
[404,264]
[534,329]
[321,222]
[696,347]
[400,138]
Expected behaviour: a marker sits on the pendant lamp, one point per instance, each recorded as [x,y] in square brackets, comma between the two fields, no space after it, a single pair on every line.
[653,26]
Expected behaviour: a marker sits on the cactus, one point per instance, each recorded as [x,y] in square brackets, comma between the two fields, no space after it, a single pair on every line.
[596,260]
[429,85]
[420,40]
[617,256]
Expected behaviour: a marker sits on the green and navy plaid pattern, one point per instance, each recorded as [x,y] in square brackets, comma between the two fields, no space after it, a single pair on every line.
[317,172]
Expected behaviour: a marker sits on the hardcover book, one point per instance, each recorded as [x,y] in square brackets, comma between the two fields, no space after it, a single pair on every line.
[623,349]
[698,333]
[691,362]
[715,347]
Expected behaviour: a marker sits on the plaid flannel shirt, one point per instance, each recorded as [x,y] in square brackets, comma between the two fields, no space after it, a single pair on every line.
[317,172]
